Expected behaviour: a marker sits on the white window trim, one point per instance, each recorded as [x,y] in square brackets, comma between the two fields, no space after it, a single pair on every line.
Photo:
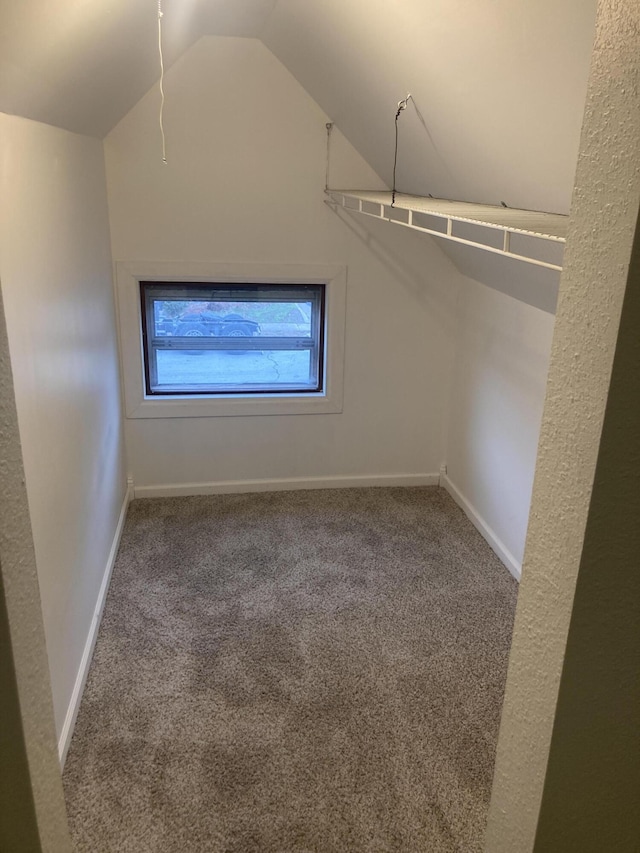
[129,274]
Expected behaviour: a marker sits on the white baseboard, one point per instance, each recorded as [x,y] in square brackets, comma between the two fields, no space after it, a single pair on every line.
[497,545]
[85,662]
[236,486]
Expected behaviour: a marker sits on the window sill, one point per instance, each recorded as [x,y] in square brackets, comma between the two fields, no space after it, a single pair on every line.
[234,406]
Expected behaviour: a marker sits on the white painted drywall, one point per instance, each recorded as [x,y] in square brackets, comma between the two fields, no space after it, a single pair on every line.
[496,399]
[244,183]
[499,89]
[55,270]
[599,248]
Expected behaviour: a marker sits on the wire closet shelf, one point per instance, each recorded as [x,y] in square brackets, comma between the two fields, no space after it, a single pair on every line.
[525,235]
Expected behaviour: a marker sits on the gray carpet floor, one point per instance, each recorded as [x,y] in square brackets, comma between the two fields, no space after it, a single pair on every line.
[314,671]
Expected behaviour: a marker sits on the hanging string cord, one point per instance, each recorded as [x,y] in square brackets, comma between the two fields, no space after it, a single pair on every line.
[329,126]
[164,146]
[402,105]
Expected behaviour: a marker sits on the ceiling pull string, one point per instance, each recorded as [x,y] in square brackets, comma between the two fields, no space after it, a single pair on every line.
[161,120]
[402,105]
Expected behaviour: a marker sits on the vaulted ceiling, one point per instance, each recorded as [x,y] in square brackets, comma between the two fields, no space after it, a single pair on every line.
[82,64]
[497,86]
[498,89]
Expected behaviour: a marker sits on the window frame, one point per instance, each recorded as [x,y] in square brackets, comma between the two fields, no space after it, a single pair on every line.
[150,291]
[139,404]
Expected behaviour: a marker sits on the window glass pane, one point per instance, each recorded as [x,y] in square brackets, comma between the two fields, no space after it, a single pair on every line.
[216,339]
[267,369]
[236,319]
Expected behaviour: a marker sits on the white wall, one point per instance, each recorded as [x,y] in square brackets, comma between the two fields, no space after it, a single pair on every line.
[55,270]
[497,395]
[244,184]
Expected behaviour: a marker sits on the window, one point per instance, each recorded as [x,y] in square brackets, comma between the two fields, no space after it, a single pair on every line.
[232,339]
[293,366]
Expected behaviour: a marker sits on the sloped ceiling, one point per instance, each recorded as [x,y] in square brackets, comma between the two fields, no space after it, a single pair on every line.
[498,86]
[498,89]
[82,64]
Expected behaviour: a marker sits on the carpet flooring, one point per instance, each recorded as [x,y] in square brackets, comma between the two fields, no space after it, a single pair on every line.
[313,671]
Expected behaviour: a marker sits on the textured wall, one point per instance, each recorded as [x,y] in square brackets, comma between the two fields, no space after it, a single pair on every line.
[592,786]
[604,214]
[28,684]
[55,267]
